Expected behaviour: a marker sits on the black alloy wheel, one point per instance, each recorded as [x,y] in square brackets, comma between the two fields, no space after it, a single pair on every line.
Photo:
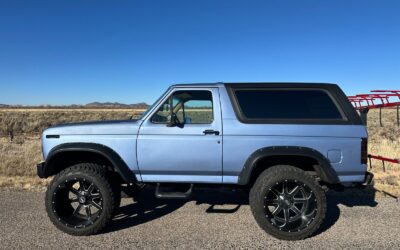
[80,200]
[287,202]
[77,202]
[290,205]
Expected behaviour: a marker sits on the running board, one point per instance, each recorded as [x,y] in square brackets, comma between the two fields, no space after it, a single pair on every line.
[173,195]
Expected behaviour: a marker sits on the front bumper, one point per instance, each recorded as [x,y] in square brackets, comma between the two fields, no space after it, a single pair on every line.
[40,170]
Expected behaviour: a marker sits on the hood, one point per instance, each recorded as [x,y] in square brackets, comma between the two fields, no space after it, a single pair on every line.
[117,127]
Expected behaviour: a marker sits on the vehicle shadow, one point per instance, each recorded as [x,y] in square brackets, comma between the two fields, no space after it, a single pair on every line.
[348,198]
[143,208]
[146,207]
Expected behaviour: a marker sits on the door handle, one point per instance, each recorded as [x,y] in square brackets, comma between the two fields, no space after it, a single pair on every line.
[210,132]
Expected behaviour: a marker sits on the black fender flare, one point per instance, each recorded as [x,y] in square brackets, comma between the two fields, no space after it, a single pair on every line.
[117,162]
[324,169]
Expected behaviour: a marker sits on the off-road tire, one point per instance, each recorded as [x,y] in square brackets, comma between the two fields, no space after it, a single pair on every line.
[116,187]
[92,173]
[268,179]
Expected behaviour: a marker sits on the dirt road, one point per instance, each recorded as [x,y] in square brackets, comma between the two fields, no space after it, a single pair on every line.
[352,223]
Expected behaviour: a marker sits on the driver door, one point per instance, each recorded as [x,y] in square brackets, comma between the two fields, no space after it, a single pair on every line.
[181,141]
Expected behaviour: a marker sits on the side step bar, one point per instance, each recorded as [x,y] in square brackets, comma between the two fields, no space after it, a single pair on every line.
[173,195]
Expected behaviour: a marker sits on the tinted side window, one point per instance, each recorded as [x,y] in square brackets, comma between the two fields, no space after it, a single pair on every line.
[287,104]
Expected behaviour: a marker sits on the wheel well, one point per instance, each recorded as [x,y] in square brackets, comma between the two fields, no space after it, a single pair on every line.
[302,162]
[63,160]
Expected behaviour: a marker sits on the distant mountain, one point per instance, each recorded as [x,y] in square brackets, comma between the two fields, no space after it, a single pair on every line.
[91,105]
[140,105]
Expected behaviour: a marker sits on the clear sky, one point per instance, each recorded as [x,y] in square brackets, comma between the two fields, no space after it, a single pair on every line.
[65,52]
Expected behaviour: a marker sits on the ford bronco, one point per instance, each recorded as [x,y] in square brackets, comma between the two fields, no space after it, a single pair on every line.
[286,143]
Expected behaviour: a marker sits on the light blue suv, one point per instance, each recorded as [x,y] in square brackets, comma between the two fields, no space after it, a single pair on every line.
[285,142]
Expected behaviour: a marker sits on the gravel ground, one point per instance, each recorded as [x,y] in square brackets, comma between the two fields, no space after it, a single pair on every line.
[202,223]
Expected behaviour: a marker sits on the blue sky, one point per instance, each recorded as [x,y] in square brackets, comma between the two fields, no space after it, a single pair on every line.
[64,52]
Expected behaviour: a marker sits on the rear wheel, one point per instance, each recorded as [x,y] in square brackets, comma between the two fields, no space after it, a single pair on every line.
[288,203]
[80,200]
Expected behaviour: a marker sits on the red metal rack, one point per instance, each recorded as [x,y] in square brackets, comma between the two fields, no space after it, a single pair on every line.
[377,99]
[383,159]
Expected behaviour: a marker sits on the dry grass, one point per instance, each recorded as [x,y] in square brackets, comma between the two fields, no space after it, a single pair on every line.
[118,110]
[23,183]
[33,121]
[18,158]
[385,141]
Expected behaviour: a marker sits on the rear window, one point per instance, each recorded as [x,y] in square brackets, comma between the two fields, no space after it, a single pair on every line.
[286,104]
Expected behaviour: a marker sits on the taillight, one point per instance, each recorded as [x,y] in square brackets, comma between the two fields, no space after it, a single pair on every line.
[364,150]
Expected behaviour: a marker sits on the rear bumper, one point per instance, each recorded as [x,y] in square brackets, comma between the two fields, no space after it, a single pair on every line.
[361,183]
[40,170]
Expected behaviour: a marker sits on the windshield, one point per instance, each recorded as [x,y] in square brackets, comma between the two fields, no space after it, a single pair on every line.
[152,106]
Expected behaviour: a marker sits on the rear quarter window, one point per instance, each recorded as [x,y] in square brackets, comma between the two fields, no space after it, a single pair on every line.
[287,104]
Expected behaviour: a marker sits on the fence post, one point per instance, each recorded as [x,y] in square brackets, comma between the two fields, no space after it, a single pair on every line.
[364,115]
[370,161]
[11,134]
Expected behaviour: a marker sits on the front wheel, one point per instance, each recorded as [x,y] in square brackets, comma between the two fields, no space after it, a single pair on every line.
[80,200]
[288,203]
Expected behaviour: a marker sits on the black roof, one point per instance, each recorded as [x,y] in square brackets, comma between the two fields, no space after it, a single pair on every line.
[254,84]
